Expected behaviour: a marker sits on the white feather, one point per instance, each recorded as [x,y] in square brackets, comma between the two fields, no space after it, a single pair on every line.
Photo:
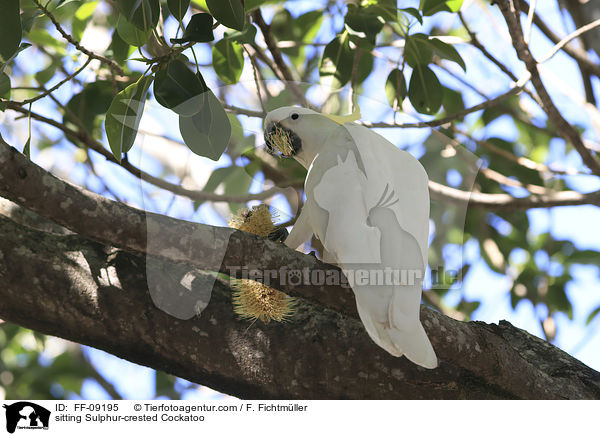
[368,203]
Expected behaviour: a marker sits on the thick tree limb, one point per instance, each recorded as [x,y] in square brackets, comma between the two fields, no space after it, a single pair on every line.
[92,293]
[68,286]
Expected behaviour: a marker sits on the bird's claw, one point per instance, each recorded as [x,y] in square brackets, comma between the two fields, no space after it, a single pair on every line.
[278,235]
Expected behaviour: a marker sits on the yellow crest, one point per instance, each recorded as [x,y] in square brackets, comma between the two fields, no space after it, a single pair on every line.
[341,119]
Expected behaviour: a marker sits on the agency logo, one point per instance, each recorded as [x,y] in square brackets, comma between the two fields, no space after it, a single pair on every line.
[26,415]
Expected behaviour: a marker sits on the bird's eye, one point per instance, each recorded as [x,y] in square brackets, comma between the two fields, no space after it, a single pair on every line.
[294,116]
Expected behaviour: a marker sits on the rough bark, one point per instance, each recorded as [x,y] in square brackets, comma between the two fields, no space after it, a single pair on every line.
[87,291]
[71,287]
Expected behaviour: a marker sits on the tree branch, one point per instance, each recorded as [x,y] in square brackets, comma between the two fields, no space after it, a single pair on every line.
[142,175]
[458,115]
[579,55]
[58,85]
[111,64]
[569,38]
[437,191]
[477,44]
[282,69]
[93,294]
[566,130]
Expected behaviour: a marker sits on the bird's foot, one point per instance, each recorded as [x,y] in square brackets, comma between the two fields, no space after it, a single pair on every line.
[278,235]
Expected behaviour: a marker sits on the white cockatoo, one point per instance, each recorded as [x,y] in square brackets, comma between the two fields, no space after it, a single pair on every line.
[368,203]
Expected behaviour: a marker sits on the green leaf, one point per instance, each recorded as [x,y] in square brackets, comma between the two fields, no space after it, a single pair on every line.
[246,36]
[308,25]
[4,86]
[164,385]
[430,7]
[453,101]
[414,12]
[420,48]
[130,33]
[234,179]
[93,101]
[425,91]
[589,257]
[124,115]
[250,5]
[301,29]
[41,37]
[395,89]
[207,133]
[593,315]
[27,148]
[10,28]
[228,60]
[177,88]
[178,8]
[363,23]
[284,28]
[284,98]
[454,5]
[199,29]
[418,51]
[143,14]
[230,13]
[336,64]
[239,142]
[118,48]
[446,51]
[557,300]
[386,9]
[82,17]
[216,178]
[509,167]
[19,50]
[238,183]
[365,64]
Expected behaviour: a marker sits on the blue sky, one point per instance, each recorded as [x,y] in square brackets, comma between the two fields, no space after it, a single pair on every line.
[578,224]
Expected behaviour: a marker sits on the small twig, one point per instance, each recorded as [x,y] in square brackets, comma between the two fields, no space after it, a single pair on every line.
[566,130]
[352,91]
[438,192]
[243,111]
[490,173]
[521,160]
[478,200]
[285,73]
[58,85]
[503,180]
[111,64]
[262,56]
[458,115]
[156,181]
[579,55]
[256,71]
[529,21]
[108,387]
[569,38]
[93,171]
[478,45]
